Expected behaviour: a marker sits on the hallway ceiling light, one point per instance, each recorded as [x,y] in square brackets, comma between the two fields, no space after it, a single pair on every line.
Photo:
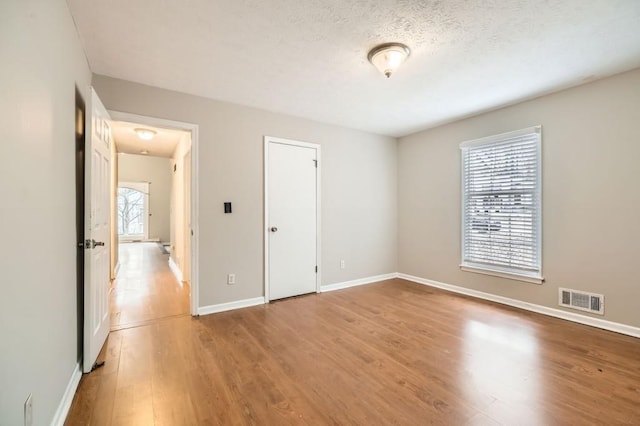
[388,57]
[145,134]
[144,152]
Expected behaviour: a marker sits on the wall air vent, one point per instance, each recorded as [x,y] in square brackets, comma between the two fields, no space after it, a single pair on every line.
[581,300]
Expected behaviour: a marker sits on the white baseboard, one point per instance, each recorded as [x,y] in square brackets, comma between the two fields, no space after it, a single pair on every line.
[65,404]
[222,307]
[174,268]
[360,281]
[552,312]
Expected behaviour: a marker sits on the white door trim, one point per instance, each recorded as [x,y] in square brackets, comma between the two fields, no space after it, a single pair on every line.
[269,140]
[193,128]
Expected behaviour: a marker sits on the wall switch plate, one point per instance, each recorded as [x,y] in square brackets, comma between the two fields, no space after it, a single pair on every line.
[343,264]
[231,279]
[28,411]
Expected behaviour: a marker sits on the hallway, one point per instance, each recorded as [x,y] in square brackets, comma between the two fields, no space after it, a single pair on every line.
[145,289]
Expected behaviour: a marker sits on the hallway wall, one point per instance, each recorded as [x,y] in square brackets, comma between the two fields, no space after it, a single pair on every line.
[180,211]
[42,62]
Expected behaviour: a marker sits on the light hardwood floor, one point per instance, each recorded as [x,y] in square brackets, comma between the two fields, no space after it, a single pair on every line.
[145,290]
[388,353]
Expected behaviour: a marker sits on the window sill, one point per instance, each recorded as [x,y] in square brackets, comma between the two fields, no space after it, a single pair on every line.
[533,278]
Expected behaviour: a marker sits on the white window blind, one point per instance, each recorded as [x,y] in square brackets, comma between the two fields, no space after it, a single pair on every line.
[501,204]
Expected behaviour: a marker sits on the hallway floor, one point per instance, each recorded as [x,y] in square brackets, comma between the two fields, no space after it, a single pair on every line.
[145,289]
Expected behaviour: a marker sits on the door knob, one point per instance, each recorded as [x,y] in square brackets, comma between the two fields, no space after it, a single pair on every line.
[95,243]
[274,229]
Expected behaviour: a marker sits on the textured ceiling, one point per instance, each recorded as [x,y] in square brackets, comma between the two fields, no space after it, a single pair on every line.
[308,58]
[127,141]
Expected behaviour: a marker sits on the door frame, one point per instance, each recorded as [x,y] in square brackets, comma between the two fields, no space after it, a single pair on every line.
[193,129]
[267,141]
[81,127]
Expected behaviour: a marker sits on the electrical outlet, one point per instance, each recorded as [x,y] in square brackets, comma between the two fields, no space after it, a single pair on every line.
[231,279]
[28,411]
[343,264]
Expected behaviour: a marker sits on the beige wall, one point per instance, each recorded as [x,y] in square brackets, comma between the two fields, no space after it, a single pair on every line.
[358,188]
[156,171]
[42,61]
[188,240]
[591,200]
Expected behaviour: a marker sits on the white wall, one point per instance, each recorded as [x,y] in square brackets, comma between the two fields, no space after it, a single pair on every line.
[157,171]
[42,61]
[591,199]
[358,188]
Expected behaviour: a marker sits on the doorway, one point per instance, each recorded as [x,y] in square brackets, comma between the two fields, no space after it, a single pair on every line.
[153,228]
[292,218]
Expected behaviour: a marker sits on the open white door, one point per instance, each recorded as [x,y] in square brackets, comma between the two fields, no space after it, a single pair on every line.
[292,218]
[97,232]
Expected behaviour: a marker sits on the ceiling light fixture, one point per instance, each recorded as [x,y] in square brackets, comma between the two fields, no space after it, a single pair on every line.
[144,152]
[145,134]
[388,57]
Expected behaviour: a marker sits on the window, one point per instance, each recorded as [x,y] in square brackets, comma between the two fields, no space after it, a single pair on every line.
[501,205]
[132,210]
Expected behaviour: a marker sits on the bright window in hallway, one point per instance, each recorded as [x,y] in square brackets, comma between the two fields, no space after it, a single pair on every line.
[132,210]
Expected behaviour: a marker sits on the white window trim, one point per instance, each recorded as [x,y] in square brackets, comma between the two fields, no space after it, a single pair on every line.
[493,270]
[497,272]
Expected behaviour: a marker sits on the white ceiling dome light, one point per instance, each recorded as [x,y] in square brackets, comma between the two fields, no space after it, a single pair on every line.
[388,57]
[145,134]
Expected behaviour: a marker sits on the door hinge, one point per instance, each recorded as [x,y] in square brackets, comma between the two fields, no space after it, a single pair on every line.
[316,163]
[89,244]
[316,269]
